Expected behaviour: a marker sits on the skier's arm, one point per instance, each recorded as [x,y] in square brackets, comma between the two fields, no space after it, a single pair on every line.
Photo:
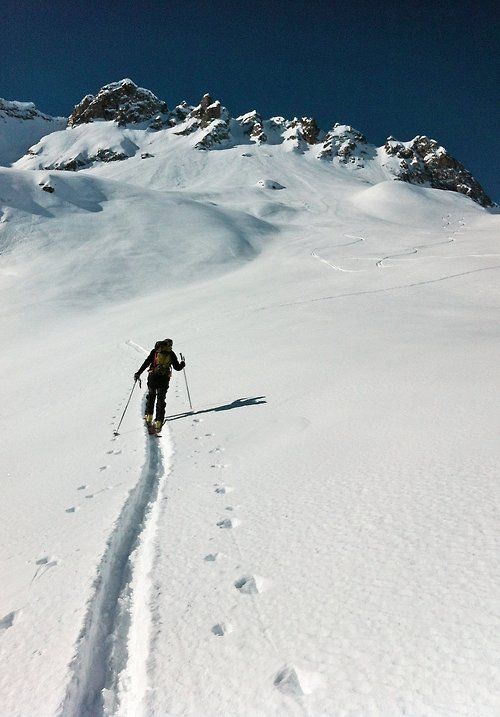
[146,363]
[178,365]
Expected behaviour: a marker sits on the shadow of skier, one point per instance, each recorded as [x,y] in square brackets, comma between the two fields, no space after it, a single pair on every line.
[238,403]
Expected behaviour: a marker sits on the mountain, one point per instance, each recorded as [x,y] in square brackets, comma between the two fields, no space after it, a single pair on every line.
[317,535]
[136,114]
[21,125]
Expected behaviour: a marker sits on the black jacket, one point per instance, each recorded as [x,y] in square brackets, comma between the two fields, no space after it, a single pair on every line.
[178,365]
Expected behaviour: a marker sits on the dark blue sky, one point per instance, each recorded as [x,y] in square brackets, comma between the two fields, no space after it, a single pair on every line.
[400,68]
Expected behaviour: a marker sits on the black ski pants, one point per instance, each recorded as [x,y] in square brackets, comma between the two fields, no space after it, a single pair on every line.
[157,390]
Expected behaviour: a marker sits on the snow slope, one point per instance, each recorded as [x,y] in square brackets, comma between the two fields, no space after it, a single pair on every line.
[22,125]
[320,535]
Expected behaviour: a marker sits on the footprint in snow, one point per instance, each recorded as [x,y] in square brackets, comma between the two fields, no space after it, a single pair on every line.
[102,468]
[228,523]
[251,584]
[299,683]
[8,620]
[217,449]
[213,557]
[44,564]
[219,465]
[82,487]
[224,489]
[73,509]
[222,628]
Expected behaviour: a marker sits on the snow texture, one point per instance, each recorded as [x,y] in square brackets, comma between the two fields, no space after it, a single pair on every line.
[319,535]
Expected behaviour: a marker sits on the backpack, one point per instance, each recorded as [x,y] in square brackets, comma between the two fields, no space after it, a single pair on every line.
[162,359]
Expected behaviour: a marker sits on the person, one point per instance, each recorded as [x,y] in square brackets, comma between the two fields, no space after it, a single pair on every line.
[160,361]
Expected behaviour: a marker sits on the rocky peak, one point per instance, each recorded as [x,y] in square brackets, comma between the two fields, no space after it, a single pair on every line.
[123,102]
[209,110]
[425,161]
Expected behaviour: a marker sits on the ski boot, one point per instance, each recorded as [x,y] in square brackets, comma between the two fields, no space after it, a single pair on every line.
[157,425]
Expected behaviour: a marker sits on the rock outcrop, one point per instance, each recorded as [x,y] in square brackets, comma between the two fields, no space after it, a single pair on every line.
[347,145]
[253,126]
[424,161]
[123,102]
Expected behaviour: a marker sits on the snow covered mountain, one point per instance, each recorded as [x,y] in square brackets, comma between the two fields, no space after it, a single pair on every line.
[135,112]
[318,536]
[21,125]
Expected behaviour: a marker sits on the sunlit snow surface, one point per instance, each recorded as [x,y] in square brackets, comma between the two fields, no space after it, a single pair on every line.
[319,536]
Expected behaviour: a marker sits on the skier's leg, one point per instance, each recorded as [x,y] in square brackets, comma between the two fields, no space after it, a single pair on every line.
[160,402]
[150,400]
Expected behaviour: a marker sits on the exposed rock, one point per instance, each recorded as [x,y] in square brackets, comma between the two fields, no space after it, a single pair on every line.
[269,184]
[179,114]
[146,155]
[207,111]
[253,126]
[218,133]
[395,148]
[424,161]
[48,188]
[107,155]
[123,102]
[308,128]
[83,162]
[347,144]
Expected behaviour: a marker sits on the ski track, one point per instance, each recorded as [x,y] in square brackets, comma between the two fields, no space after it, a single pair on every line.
[137,347]
[415,249]
[357,240]
[110,664]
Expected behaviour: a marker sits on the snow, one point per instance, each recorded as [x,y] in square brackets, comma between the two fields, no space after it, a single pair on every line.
[320,536]
[21,125]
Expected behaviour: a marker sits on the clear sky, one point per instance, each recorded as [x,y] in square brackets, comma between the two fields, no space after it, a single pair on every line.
[400,68]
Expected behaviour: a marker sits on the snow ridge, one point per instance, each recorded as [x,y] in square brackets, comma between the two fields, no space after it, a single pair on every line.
[114,640]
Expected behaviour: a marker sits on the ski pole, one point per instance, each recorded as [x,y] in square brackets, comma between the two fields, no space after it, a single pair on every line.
[124,410]
[187,387]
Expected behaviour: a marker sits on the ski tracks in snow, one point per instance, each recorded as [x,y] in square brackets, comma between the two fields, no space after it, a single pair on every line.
[357,240]
[110,667]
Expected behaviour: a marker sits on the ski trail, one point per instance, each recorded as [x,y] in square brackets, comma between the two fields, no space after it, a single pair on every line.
[380,262]
[111,655]
[377,291]
[357,240]
[334,266]
[418,247]
[140,349]
[133,684]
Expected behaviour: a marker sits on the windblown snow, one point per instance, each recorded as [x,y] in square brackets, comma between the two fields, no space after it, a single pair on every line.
[319,536]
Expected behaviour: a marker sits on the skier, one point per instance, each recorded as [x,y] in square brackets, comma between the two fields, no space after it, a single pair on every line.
[160,361]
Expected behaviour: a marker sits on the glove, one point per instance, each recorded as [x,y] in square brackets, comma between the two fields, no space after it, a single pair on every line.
[136,376]
[182,364]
